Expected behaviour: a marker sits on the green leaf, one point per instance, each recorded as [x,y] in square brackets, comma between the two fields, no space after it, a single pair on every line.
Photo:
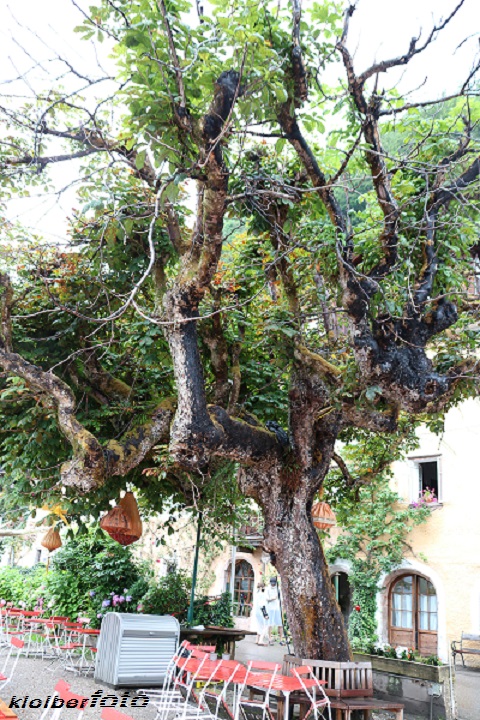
[281,94]
[140,159]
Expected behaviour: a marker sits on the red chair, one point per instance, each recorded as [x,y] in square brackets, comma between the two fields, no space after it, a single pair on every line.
[319,701]
[64,699]
[11,660]
[112,714]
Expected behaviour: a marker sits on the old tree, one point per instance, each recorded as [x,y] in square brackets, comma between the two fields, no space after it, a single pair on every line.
[258,266]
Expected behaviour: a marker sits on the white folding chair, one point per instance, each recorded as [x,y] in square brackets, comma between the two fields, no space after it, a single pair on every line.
[216,703]
[65,700]
[11,660]
[169,695]
[184,695]
[320,702]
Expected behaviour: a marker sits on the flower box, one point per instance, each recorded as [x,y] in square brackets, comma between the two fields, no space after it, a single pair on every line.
[424,690]
[406,668]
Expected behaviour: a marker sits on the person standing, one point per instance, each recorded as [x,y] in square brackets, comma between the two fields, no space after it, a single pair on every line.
[260,614]
[273,608]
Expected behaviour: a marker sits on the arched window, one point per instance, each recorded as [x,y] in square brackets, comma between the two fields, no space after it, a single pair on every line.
[413,619]
[243,586]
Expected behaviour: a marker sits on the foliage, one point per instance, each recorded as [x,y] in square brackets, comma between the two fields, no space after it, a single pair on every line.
[214,611]
[170,594]
[90,570]
[108,240]
[24,586]
[408,654]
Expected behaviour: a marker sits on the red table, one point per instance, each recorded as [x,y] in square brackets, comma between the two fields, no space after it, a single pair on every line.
[223,671]
[286,685]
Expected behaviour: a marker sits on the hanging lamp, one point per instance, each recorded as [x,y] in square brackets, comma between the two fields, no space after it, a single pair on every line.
[123,522]
[51,540]
[322,514]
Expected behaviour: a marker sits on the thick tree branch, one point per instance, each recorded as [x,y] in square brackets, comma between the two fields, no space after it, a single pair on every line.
[342,466]
[108,385]
[213,334]
[194,433]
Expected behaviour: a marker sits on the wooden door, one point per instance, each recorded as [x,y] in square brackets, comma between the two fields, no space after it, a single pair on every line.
[427,619]
[413,614]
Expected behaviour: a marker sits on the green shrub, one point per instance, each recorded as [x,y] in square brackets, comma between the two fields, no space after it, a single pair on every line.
[92,575]
[169,596]
[216,611]
[23,585]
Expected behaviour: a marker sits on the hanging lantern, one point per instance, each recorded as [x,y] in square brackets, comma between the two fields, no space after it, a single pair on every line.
[51,540]
[323,516]
[129,504]
[123,522]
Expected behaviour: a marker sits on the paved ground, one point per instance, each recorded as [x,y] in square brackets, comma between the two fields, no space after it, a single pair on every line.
[468,694]
[37,679]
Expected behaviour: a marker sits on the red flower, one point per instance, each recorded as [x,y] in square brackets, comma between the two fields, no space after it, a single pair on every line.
[357,608]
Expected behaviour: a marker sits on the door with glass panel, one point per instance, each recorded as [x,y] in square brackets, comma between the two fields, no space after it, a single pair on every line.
[413,620]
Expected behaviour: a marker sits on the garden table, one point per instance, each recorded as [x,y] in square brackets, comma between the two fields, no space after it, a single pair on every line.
[284,684]
[227,637]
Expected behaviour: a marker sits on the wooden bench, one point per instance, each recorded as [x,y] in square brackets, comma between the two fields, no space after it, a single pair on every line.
[458,647]
[349,687]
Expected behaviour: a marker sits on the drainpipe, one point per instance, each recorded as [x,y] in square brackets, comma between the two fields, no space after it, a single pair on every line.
[195,570]
[232,575]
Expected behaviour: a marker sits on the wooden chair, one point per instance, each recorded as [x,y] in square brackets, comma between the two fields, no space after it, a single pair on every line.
[349,687]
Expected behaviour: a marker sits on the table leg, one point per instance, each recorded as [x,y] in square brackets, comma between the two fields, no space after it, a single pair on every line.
[286,708]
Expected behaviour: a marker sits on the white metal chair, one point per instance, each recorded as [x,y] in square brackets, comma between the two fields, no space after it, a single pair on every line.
[65,699]
[320,702]
[188,703]
[11,660]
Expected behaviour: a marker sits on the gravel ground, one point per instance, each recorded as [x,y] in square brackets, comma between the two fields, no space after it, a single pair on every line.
[37,679]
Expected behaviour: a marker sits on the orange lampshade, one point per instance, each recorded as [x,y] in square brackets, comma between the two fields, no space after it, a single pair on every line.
[323,516]
[123,522]
[51,540]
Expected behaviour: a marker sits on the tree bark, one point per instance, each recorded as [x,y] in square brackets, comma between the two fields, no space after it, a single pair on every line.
[314,617]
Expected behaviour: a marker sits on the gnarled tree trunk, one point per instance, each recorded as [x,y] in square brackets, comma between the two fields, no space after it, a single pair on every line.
[314,617]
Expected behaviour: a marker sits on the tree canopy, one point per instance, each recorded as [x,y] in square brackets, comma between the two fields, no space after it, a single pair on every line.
[259,264]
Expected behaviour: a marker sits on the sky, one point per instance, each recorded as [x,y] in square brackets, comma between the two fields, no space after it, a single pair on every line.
[379,29]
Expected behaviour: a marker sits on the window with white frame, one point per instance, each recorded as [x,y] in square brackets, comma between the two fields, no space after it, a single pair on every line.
[426,485]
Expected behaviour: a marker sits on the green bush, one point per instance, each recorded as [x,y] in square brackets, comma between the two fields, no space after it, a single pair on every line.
[23,585]
[169,596]
[214,611]
[92,575]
